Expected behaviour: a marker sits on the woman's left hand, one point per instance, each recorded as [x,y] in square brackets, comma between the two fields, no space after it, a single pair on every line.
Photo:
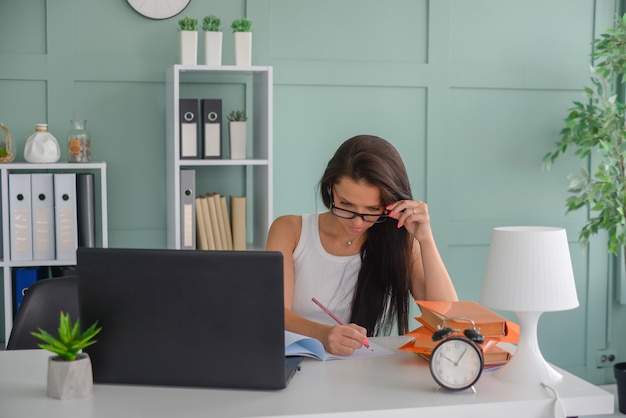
[413,215]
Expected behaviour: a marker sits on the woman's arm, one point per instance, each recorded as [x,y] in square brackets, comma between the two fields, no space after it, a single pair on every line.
[283,236]
[429,279]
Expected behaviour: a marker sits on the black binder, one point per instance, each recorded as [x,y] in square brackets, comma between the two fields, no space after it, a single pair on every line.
[86,209]
[211,128]
[189,128]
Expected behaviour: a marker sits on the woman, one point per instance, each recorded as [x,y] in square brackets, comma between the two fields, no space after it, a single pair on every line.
[365,257]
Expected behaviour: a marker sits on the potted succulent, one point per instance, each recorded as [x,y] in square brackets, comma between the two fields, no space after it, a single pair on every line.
[212,26]
[188,28]
[70,374]
[237,125]
[596,129]
[243,41]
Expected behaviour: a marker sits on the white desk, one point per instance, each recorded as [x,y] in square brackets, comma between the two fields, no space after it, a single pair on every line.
[392,386]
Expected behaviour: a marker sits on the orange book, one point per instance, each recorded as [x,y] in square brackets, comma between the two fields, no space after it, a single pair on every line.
[489,323]
[423,345]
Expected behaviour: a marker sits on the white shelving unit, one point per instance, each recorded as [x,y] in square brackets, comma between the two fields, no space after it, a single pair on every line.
[6,264]
[254,174]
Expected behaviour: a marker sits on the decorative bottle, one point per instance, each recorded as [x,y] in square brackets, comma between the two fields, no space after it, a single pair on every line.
[42,146]
[79,143]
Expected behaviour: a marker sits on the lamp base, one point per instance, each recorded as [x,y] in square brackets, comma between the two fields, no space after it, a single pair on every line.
[528,365]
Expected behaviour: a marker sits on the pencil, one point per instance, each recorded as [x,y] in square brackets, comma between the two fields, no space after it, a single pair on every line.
[366,343]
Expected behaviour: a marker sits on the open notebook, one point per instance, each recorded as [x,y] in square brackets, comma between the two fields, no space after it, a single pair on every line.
[301,345]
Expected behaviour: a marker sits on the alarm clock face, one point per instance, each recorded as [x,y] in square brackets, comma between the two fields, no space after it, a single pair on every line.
[456,363]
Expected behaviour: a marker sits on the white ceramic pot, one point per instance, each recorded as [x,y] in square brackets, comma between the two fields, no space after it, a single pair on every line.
[70,379]
[213,48]
[238,139]
[243,49]
[188,47]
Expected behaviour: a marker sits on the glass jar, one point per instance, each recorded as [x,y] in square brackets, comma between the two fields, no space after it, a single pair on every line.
[42,146]
[79,143]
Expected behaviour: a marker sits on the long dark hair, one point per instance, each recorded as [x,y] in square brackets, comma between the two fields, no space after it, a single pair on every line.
[382,289]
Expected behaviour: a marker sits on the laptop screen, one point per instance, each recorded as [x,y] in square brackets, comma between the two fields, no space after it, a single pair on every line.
[184,318]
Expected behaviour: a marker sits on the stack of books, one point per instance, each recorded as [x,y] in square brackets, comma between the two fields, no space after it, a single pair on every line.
[494,327]
[217,228]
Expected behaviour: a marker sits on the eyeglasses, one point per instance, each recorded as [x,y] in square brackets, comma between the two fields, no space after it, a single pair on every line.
[348,214]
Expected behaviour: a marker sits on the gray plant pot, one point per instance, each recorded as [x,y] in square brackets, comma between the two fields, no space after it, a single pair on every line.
[70,379]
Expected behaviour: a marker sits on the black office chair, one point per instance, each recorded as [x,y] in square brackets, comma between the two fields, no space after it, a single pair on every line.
[41,307]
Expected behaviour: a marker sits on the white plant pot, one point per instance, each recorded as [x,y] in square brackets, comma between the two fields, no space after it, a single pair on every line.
[238,139]
[213,48]
[70,379]
[188,47]
[243,49]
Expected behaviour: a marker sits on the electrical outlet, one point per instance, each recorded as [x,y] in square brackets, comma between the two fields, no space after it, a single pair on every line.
[606,357]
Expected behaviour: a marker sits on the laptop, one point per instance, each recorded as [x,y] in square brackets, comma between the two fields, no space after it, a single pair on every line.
[185,318]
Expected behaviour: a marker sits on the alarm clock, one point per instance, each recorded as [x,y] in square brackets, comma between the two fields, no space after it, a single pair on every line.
[457,362]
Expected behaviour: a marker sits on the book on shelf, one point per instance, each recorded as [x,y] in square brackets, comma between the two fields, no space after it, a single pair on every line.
[238,221]
[226,222]
[217,227]
[489,323]
[202,242]
[213,218]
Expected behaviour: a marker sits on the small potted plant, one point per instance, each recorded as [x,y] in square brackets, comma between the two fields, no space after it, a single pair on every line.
[212,26]
[6,155]
[188,28]
[70,375]
[237,125]
[243,41]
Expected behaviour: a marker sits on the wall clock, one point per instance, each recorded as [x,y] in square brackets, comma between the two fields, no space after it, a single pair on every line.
[158,9]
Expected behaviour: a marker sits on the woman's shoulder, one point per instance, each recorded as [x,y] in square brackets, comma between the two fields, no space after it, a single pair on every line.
[285,231]
[287,224]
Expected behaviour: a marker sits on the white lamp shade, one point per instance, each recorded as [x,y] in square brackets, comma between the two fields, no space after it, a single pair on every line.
[529,269]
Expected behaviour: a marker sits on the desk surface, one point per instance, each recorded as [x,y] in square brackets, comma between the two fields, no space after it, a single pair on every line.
[399,385]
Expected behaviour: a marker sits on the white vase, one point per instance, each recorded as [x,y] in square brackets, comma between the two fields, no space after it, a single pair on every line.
[42,146]
[70,379]
[188,47]
[243,49]
[238,139]
[212,48]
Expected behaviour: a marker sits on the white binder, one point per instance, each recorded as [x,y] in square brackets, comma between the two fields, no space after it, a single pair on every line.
[188,209]
[42,204]
[20,217]
[65,216]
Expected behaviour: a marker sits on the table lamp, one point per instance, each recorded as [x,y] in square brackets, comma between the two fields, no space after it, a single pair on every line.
[529,272]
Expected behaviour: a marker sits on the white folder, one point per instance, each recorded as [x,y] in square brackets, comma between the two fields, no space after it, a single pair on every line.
[20,217]
[188,209]
[65,216]
[42,204]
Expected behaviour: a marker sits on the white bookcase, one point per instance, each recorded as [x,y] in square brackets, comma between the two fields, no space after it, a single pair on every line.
[240,88]
[6,264]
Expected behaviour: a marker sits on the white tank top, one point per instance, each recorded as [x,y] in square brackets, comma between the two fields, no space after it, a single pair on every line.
[329,278]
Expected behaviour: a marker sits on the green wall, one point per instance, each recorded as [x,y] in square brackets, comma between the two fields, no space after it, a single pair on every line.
[472,92]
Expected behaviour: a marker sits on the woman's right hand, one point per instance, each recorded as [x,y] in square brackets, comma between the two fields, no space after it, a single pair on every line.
[342,340]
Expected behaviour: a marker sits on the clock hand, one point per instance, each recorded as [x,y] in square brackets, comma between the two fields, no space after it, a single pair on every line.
[449,359]
[461,356]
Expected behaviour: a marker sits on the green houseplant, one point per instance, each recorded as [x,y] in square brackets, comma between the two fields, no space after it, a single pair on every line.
[212,26]
[598,127]
[238,131]
[70,374]
[188,29]
[243,41]
[211,23]
[187,23]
